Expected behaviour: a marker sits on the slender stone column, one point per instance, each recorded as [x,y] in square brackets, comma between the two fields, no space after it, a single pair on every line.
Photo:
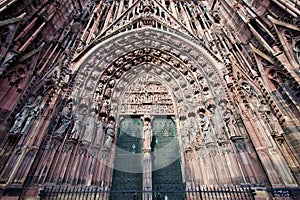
[147,161]
[147,175]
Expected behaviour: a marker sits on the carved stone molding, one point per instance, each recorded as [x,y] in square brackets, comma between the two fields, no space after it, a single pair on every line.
[190,68]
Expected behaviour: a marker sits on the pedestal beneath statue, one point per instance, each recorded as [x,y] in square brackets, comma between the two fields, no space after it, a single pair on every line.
[147,175]
[147,160]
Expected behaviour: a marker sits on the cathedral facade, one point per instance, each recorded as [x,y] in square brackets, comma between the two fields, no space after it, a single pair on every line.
[150,99]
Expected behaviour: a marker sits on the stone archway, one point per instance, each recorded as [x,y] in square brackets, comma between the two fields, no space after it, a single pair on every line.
[193,72]
[188,70]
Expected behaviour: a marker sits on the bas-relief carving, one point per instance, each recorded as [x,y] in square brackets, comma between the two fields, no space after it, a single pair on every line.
[133,100]
[147,95]
[186,94]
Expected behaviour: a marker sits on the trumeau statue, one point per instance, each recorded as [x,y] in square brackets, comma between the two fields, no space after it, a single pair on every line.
[24,118]
[147,135]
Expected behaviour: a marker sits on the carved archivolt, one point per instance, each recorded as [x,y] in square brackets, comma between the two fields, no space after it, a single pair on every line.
[185,73]
[108,62]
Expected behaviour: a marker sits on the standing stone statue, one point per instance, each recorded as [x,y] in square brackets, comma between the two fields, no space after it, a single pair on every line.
[205,127]
[109,135]
[147,135]
[66,120]
[24,118]
[99,133]
[229,123]
[90,124]
[78,124]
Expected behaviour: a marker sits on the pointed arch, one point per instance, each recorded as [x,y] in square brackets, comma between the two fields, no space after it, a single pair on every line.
[109,60]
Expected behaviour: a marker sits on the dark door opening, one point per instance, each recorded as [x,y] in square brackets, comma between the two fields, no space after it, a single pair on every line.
[166,176]
[128,176]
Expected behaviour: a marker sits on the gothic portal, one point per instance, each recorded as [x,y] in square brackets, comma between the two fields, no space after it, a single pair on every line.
[149,99]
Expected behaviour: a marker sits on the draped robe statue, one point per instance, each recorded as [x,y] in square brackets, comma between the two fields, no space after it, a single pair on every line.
[24,118]
[66,120]
[147,135]
[109,135]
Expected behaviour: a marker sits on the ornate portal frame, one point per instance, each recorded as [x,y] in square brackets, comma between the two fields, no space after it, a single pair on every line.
[150,71]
